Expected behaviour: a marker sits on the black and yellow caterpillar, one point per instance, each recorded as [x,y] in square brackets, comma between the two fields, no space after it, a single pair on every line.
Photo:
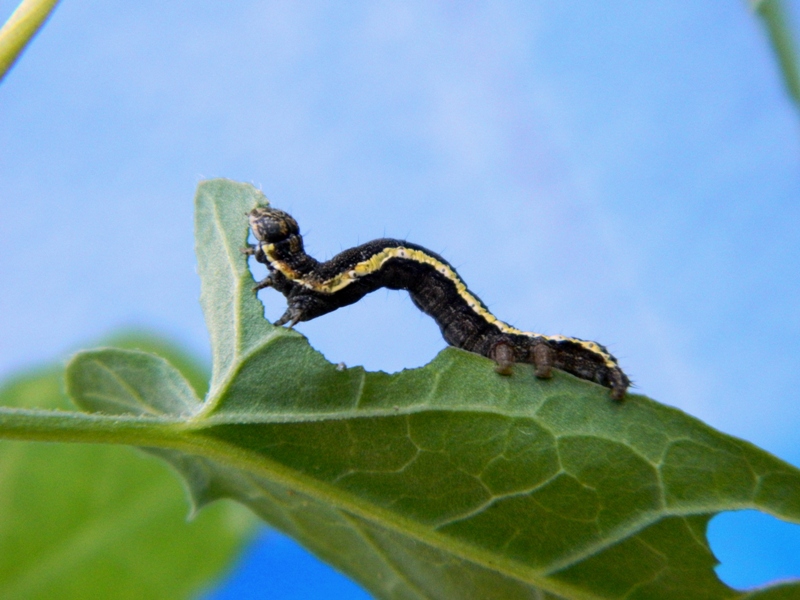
[314,288]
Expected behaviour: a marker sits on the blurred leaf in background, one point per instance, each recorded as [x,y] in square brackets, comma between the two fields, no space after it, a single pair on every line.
[95,521]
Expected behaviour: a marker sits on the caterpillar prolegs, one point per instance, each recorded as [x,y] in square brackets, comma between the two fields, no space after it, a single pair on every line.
[313,288]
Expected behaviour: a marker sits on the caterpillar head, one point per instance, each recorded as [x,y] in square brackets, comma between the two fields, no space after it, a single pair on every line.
[271,225]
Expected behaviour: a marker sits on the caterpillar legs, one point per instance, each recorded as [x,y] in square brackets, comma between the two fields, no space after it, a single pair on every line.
[503,354]
[541,355]
[264,283]
[292,316]
[268,281]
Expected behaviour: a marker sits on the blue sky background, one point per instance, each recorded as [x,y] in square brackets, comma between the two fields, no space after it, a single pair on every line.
[622,172]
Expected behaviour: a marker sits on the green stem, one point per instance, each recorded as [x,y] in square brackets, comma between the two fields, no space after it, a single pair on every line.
[65,426]
[20,28]
[776,19]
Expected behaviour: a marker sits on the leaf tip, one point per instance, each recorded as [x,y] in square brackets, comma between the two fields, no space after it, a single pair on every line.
[219,186]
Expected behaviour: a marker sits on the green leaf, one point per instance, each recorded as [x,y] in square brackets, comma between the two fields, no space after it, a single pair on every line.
[91,521]
[138,339]
[442,482]
[234,318]
[20,28]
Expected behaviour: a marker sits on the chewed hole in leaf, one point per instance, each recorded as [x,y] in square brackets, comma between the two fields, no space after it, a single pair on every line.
[378,318]
[385,332]
[274,303]
[381,316]
[754,548]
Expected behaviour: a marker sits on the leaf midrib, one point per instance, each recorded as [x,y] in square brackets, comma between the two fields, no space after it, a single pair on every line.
[217,392]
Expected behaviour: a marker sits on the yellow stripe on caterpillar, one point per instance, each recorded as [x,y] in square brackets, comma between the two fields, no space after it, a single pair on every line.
[375,263]
[313,289]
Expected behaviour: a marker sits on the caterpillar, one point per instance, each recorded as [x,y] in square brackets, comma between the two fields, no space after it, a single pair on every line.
[313,288]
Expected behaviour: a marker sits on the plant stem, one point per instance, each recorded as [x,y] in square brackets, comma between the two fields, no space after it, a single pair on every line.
[20,28]
[66,426]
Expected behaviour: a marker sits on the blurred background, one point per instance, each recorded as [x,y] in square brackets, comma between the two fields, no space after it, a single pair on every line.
[622,172]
